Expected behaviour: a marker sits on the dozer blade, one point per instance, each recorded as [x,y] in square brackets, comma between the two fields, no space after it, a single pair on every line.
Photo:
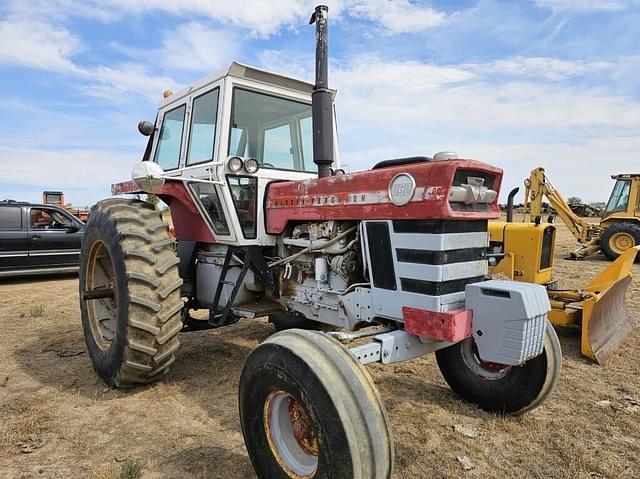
[605,321]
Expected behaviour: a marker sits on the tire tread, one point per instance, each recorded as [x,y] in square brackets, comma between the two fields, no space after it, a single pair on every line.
[153,283]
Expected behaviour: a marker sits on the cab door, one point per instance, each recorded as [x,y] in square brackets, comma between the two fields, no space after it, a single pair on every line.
[55,237]
[13,238]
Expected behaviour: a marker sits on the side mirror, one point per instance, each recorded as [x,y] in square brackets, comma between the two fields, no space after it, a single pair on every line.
[73,229]
[146,128]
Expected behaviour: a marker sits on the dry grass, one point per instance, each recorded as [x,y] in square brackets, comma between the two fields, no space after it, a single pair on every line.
[131,469]
[187,426]
[22,421]
[37,311]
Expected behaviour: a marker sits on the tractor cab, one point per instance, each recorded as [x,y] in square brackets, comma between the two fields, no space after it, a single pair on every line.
[226,138]
[624,199]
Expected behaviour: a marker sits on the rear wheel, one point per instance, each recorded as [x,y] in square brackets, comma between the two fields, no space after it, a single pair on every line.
[308,409]
[129,293]
[618,238]
[499,388]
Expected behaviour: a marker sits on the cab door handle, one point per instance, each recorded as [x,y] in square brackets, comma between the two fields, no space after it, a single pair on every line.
[36,237]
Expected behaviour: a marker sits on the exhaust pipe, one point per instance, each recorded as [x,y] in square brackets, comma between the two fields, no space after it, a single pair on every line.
[512,193]
[321,104]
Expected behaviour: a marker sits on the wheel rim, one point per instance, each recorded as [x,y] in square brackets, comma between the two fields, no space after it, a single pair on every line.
[486,370]
[291,435]
[102,312]
[620,242]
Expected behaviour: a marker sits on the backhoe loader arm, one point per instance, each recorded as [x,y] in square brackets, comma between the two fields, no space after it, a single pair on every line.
[537,187]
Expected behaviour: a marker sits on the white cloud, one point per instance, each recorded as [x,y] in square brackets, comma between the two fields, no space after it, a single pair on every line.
[587,5]
[262,18]
[394,109]
[259,16]
[553,69]
[118,84]
[88,173]
[397,16]
[56,10]
[37,44]
[191,46]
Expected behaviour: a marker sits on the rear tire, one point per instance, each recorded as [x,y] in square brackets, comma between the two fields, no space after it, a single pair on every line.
[132,336]
[309,409]
[619,237]
[510,390]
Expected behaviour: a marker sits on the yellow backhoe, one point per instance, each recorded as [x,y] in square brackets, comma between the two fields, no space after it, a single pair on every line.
[525,252]
[619,227]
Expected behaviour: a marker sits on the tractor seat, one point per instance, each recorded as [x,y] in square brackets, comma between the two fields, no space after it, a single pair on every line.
[400,161]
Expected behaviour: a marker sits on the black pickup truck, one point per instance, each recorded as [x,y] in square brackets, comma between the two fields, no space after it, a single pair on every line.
[38,239]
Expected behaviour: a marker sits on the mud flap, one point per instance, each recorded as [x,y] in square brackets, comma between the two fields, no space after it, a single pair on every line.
[606,322]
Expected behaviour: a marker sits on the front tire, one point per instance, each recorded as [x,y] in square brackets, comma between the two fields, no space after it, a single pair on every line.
[128,257]
[309,409]
[501,389]
[617,238]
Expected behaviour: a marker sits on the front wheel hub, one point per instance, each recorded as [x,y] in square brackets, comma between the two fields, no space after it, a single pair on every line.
[291,435]
[621,242]
[484,369]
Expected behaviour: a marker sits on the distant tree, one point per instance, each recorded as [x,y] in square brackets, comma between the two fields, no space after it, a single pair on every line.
[574,200]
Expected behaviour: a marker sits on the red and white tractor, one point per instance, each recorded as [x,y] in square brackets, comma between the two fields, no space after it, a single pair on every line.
[383,265]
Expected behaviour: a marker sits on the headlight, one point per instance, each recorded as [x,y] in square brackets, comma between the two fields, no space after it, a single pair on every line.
[251,165]
[235,164]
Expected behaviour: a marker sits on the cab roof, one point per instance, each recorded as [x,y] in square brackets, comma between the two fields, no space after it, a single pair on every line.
[623,176]
[246,72]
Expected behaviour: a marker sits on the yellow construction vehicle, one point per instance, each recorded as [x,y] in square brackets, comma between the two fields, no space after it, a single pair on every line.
[524,252]
[619,227]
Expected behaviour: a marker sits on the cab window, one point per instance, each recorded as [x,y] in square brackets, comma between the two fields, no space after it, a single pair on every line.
[275,131]
[619,197]
[170,142]
[203,128]
[244,192]
[210,201]
[42,219]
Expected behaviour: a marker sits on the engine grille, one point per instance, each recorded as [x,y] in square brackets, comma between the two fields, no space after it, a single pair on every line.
[424,264]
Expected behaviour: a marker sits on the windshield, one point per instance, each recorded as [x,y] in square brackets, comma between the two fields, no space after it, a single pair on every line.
[275,131]
[619,197]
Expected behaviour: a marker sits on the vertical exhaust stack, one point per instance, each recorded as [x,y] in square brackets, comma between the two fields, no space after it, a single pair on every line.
[321,103]
[512,194]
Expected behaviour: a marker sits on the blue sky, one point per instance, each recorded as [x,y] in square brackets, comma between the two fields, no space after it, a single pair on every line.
[550,83]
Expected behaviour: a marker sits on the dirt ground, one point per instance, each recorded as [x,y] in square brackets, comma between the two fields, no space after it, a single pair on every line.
[59,421]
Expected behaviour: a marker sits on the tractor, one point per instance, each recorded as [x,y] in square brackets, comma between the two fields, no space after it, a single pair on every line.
[619,227]
[384,265]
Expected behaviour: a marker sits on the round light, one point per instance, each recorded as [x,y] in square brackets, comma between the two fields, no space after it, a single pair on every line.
[251,165]
[401,189]
[148,176]
[445,155]
[338,172]
[235,164]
